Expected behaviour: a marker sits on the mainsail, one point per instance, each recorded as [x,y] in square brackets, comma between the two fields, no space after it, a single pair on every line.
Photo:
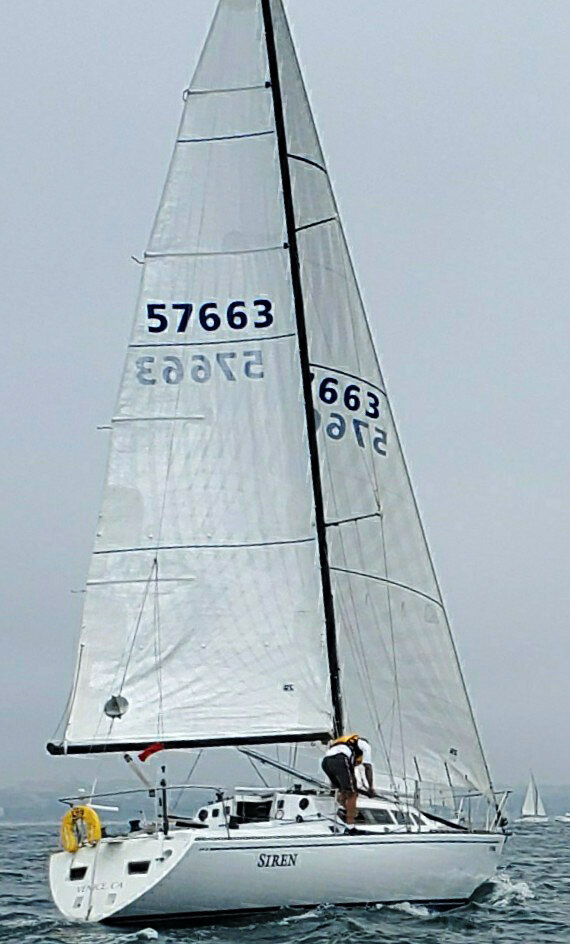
[259,528]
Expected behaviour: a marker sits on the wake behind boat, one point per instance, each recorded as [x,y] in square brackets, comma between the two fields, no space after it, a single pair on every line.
[260,573]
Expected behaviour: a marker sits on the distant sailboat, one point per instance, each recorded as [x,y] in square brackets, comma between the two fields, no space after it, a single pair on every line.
[564,818]
[533,808]
[260,573]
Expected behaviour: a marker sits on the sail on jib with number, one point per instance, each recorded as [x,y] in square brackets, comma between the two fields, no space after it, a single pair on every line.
[247,542]
[401,680]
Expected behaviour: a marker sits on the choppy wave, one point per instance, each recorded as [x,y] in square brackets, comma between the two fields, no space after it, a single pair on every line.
[527,903]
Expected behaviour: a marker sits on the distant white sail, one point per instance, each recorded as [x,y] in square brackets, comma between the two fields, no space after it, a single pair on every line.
[532,804]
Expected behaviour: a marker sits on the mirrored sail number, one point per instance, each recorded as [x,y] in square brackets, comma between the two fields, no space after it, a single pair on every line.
[180,316]
[337,427]
[354,398]
[199,368]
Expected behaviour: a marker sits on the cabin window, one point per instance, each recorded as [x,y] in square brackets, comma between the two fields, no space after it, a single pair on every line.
[138,868]
[215,813]
[253,811]
[203,815]
[280,804]
[375,817]
[303,804]
[403,818]
[77,873]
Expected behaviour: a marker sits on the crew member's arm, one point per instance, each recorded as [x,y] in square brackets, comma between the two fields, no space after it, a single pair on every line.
[369,778]
[367,764]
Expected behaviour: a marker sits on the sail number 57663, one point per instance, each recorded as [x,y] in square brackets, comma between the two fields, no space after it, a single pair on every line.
[236,315]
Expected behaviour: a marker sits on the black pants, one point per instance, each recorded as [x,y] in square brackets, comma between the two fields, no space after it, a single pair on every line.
[340,772]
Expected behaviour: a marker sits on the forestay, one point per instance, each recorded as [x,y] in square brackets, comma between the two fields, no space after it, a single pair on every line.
[203,607]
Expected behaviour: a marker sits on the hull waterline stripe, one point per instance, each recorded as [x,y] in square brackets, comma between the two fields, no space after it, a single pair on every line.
[391,583]
[342,842]
[183,743]
[335,370]
[203,547]
[225,137]
[276,337]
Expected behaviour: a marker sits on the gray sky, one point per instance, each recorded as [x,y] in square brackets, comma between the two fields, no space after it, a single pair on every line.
[447,132]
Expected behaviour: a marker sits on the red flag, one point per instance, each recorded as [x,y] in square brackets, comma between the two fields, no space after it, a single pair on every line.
[150,750]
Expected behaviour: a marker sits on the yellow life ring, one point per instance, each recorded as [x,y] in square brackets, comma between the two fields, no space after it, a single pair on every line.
[80,825]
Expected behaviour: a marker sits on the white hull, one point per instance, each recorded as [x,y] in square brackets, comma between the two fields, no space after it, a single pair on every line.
[192,875]
[565,818]
[532,820]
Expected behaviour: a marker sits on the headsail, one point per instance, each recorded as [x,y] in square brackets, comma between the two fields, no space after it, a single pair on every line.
[401,681]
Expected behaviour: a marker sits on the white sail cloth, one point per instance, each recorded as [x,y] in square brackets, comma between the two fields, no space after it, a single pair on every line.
[402,685]
[204,604]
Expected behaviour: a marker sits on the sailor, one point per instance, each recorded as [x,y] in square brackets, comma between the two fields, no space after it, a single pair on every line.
[343,756]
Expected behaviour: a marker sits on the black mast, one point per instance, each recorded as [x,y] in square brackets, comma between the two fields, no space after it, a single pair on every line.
[305,366]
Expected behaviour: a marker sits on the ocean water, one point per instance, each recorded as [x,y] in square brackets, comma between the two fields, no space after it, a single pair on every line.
[529,903]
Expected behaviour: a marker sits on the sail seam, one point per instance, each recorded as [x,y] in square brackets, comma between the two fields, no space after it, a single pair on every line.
[199,547]
[148,419]
[345,373]
[105,583]
[392,583]
[329,219]
[223,91]
[307,160]
[276,337]
[214,252]
[225,137]
[354,520]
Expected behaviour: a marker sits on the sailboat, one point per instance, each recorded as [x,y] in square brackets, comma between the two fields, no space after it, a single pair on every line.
[533,808]
[260,575]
